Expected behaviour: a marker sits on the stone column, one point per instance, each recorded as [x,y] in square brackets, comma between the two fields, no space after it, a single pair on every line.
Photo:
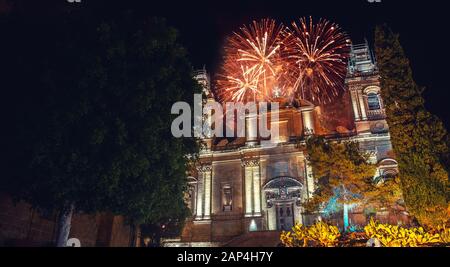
[251,129]
[200,187]
[308,122]
[256,191]
[307,110]
[207,214]
[204,192]
[207,174]
[272,221]
[309,179]
[362,105]
[248,190]
[297,214]
[252,185]
[354,104]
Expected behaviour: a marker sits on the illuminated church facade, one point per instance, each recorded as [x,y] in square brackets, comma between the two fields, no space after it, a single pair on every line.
[241,185]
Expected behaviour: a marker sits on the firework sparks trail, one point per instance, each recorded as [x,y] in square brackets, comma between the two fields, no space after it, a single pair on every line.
[252,62]
[317,56]
[244,86]
[265,60]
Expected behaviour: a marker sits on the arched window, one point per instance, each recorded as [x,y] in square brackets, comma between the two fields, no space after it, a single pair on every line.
[373,101]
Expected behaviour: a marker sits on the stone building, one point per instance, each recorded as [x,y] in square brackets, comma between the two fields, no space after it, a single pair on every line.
[242,185]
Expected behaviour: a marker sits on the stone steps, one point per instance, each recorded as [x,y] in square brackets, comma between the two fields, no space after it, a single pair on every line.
[256,239]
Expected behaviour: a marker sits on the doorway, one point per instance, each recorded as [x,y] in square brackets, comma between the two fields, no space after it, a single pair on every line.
[285,216]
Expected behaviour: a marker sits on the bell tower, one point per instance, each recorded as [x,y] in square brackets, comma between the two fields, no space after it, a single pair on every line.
[203,78]
[364,88]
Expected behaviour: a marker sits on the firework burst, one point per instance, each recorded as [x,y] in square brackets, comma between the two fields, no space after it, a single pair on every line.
[265,60]
[317,55]
[243,85]
[252,63]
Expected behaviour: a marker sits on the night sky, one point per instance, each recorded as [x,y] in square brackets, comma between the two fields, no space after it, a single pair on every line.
[203,26]
[422,25]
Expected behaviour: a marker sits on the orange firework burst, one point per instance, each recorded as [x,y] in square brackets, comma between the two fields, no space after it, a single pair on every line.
[265,59]
[243,85]
[252,63]
[317,55]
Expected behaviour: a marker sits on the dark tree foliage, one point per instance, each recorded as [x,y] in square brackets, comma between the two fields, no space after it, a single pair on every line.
[419,138]
[151,234]
[87,104]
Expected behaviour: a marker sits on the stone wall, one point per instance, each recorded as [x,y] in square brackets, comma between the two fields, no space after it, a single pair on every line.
[196,232]
[21,225]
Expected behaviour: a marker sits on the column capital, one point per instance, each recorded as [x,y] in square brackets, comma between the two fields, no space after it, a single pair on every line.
[250,162]
[204,167]
[355,87]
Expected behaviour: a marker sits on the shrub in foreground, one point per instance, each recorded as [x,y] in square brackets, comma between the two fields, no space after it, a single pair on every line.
[322,234]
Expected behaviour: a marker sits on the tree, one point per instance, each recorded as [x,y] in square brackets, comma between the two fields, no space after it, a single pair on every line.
[90,99]
[169,228]
[418,137]
[385,193]
[342,172]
